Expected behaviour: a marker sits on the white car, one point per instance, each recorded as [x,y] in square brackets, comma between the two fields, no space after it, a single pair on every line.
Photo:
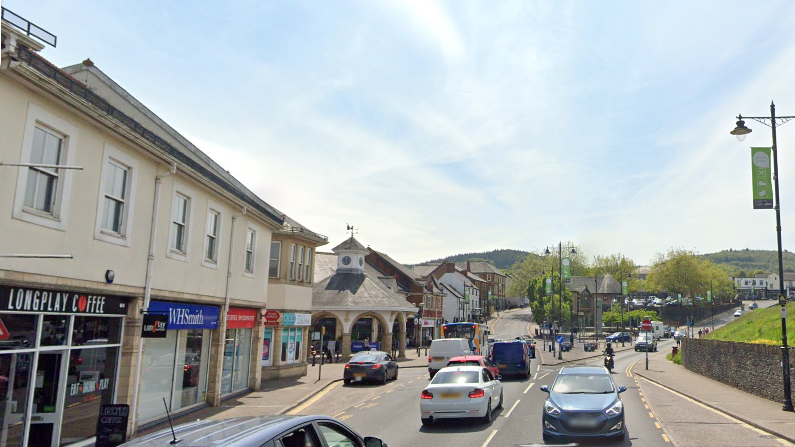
[461,392]
[738,313]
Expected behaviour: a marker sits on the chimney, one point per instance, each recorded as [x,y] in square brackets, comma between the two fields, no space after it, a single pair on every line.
[450,267]
[468,270]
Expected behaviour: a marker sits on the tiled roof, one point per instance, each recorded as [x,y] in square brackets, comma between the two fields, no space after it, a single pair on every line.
[606,284]
[349,244]
[424,270]
[480,267]
[452,291]
[325,265]
[405,270]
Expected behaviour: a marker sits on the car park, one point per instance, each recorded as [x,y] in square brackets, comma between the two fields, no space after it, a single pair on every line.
[645,341]
[583,402]
[282,430]
[511,357]
[370,366]
[475,360]
[618,337]
[461,392]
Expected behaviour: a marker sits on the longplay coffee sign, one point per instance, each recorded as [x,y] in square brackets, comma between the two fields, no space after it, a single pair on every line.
[22,299]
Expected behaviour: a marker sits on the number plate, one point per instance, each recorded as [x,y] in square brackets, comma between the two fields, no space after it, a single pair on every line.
[501,366]
[438,359]
[582,422]
[359,375]
[450,395]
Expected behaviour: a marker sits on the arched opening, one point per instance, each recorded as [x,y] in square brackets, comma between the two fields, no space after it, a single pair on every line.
[369,331]
[330,338]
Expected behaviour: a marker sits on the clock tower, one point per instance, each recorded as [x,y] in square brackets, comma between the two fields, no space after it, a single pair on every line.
[350,256]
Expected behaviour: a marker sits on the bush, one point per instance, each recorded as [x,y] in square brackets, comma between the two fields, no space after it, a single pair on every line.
[676,359]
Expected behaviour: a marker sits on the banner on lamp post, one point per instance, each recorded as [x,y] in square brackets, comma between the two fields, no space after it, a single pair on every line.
[549,286]
[761,178]
[709,296]
[566,270]
[624,288]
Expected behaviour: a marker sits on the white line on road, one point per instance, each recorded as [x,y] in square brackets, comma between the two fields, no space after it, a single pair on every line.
[528,388]
[542,376]
[535,377]
[494,432]
[511,410]
[538,367]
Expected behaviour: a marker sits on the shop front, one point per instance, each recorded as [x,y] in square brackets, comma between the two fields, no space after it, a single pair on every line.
[237,349]
[176,366]
[283,341]
[59,357]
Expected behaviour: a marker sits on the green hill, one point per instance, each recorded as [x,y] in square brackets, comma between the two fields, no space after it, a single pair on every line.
[502,259]
[762,326]
[745,262]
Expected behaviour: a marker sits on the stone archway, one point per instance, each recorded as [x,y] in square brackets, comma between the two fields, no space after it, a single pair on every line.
[334,331]
[371,327]
[398,330]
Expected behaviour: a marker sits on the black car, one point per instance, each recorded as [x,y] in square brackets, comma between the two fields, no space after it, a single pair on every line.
[565,347]
[590,346]
[265,431]
[370,366]
[583,402]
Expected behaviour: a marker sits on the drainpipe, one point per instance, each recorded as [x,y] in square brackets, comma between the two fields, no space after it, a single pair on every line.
[147,293]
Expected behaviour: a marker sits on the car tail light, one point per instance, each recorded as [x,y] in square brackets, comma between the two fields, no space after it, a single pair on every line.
[430,359]
[376,367]
[347,366]
[426,394]
[187,368]
[477,393]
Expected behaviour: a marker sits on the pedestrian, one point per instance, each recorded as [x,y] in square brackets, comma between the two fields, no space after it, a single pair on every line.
[678,341]
[699,333]
[707,331]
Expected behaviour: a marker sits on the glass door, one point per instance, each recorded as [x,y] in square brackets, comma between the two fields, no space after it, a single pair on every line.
[14,379]
[47,400]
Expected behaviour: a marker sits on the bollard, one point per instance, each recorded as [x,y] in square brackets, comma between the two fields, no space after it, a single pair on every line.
[674,350]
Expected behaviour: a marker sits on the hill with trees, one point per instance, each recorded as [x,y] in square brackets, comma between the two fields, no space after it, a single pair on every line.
[744,263]
[502,259]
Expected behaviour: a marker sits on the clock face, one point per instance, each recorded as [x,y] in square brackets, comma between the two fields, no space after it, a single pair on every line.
[361,261]
[346,260]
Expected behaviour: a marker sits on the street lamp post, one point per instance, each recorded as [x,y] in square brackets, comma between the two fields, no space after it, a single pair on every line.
[740,132]
[560,289]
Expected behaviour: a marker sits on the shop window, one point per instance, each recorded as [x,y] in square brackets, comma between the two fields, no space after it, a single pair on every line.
[21,329]
[91,330]
[90,383]
[237,359]
[291,345]
[157,375]
[54,330]
[193,359]
[15,368]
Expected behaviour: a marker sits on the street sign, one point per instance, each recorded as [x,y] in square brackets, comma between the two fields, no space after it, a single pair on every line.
[783,312]
[645,325]
[3,331]
[560,339]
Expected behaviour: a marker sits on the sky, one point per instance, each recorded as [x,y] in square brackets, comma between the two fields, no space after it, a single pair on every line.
[445,127]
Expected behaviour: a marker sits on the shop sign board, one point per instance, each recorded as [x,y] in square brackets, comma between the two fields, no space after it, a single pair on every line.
[187,316]
[154,326]
[271,318]
[112,425]
[23,299]
[428,322]
[291,319]
[240,318]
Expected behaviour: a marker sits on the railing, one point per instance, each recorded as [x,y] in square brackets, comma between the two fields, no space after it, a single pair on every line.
[31,29]
[309,232]
[67,82]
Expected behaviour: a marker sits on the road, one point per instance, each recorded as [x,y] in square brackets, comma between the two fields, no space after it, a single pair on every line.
[655,417]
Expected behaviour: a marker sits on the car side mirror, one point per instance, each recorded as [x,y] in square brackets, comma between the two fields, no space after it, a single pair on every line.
[370,441]
[499,377]
[621,389]
[544,388]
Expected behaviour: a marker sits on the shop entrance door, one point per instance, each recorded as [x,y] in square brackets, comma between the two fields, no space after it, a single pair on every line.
[45,418]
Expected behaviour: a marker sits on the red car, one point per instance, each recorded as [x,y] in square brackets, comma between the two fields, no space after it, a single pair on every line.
[475,360]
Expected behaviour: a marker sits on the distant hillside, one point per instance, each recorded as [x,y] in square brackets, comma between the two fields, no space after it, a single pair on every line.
[746,262]
[502,259]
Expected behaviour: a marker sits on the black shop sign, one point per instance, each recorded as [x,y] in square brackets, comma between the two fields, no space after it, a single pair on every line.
[155,326]
[112,425]
[22,299]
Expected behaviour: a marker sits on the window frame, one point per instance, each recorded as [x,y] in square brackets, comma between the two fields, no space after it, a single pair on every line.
[113,155]
[253,252]
[278,259]
[291,271]
[300,266]
[182,191]
[212,208]
[308,265]
[39,117]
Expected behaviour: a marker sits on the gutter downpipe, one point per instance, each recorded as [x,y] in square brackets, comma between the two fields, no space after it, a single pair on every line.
[228,297]
[150,260]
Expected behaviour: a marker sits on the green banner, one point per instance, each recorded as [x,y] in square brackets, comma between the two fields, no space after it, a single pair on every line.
[466,295]
[566,263]
[761,178]
[624,288]
[549,286]
[679,298]
[709,296]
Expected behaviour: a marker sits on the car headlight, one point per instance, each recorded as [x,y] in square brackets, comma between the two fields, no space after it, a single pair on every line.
[615,409]
[551,409]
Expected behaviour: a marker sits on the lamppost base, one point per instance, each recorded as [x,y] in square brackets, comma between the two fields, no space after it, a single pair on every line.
[786,407]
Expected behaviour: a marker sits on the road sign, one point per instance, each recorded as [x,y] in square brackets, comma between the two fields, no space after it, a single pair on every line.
[3,331]
[645,325]
[560,339]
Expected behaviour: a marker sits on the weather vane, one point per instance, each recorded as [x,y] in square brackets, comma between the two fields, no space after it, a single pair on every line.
[352,230]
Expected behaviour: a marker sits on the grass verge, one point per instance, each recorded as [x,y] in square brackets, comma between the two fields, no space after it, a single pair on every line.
[762,326]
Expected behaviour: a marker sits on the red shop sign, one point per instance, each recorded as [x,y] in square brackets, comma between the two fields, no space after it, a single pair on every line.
[271,318]
[240,318]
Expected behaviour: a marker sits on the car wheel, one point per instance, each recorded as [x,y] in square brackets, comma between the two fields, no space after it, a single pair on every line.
[500,405]
[386,376]
[427,422]
[396,373]
[346,381]
[487,416]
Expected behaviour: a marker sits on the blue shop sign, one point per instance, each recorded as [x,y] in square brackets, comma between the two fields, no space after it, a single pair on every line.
[187,316]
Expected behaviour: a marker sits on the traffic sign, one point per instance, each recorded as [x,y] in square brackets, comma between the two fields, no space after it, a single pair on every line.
[560,339]
[3,331]
[645,325]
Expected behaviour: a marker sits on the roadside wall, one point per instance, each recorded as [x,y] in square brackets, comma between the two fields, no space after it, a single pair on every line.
[752,368]
[678,315]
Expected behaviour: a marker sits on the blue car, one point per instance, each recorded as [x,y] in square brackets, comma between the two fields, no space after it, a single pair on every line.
[618,337]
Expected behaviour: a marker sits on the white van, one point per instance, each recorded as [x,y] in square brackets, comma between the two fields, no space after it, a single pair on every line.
[657,329]
[443,349]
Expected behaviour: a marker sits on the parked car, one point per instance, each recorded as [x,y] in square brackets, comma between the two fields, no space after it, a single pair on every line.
[565,346]
[370,366]
[590,346]
[282,430]
[753,306]
[645,341]
[443,349]
[738,313]
[668,332]
[678,335]
[583,402]
[618,337]
[475,360]
[511,357]
[461,392]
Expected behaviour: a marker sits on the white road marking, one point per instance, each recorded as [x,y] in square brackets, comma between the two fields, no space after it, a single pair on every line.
[489,438]
[535,377]
[528,388]
[510,411]
[544,375]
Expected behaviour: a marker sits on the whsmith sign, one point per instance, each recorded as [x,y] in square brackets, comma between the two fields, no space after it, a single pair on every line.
[19,299]
[186,316]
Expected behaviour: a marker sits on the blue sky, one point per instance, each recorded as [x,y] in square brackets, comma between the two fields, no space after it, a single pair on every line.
[444,127]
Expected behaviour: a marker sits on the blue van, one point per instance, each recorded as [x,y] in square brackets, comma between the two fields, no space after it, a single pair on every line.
[511,357]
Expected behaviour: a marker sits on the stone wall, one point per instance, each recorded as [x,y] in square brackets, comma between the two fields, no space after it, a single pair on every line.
[678,315]
[752,368]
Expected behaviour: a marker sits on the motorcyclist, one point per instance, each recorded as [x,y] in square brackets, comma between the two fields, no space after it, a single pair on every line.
[609,357]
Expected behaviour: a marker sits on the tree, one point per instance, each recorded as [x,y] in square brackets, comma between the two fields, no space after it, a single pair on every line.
[683,271]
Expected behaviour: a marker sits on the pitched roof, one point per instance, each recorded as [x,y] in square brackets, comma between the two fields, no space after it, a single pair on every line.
[424,270]
[349,244]
[325,265]
[452,291]
[606,284]
[403,269]
[480,267]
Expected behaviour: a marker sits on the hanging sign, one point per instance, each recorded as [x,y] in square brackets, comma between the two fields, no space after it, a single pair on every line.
[154,326]
[271,318]
[624,288]
[709,296]
[760,176]
[240,318]
[566,264]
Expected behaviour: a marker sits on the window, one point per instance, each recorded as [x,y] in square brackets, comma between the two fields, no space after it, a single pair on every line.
[273,267]
[42,194]
[116,198]
[307,275]
[179,223]
[291,273]
[211,242]
[251,239]
[300,273]
[336,436]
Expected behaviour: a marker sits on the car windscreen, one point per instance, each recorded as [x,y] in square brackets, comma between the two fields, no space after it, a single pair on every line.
[583,384]
[453,377]
[365,358]
[507,352]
